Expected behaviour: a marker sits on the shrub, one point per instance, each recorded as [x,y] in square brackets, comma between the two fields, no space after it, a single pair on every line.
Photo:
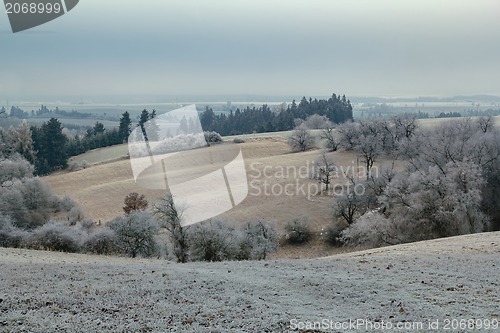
[238,140]
[133,201]
[212,137]
[55,236]
[29,202]
[371,230]
[136,234]
[331,234]
[75,214]
[101,241]
[64,204]
[214,241]
[10,236]
[298,231]
[74,166]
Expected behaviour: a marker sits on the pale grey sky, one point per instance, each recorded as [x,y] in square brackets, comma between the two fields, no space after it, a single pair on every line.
[256,47]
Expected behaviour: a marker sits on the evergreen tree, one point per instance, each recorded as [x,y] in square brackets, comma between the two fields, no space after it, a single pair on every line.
[50,144]
[125,127]
[143,119]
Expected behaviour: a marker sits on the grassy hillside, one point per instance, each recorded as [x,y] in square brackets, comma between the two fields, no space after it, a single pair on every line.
[445,279]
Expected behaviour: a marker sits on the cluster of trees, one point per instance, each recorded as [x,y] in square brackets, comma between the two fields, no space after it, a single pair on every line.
[48,148]
[446,184]
[27,203]
[337,109]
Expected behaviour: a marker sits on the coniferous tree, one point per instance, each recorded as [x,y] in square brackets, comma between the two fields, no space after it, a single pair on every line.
[125,127]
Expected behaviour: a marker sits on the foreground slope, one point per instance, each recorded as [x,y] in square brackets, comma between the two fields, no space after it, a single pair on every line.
[454,278]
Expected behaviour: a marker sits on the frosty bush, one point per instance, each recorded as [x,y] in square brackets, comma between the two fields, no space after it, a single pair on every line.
[64,204]
[56,236]
[29,202]
[10,236]
[101,241]
[75,215]
[372,230]
[298,231]
[15,168]
[259,239]
[212,137]
[331,233]
[136,233]
[238,140]
[214,241]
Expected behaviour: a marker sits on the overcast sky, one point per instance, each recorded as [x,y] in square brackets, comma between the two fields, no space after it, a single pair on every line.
[257,47]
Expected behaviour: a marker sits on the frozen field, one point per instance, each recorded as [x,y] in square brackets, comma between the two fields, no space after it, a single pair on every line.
[447,279]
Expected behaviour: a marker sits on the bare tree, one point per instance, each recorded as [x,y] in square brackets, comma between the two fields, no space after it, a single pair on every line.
[332,143]
[301,138]
[324,170]
[486,124]
[351,204]
[369,149]
[171,219]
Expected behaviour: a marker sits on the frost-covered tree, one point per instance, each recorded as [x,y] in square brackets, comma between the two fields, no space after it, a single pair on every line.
[259,239]
[419,206]
[330,138]
[170,218]
[23,142]
[301,138]
[324,170]
[136,233]
[214,241]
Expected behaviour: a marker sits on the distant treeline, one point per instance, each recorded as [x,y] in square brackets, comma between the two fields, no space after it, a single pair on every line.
[44,112]
[337,109]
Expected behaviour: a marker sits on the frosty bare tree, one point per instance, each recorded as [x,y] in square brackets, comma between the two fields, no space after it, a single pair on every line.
[348,133]
[301,138]
[259,239]
[351,203]
[486,123]
[332,142]
[324,170]
[170,218]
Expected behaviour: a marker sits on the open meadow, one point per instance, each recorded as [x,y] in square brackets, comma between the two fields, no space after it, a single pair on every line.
[445,282]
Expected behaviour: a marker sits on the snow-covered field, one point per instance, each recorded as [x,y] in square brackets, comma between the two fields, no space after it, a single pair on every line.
[434,282]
